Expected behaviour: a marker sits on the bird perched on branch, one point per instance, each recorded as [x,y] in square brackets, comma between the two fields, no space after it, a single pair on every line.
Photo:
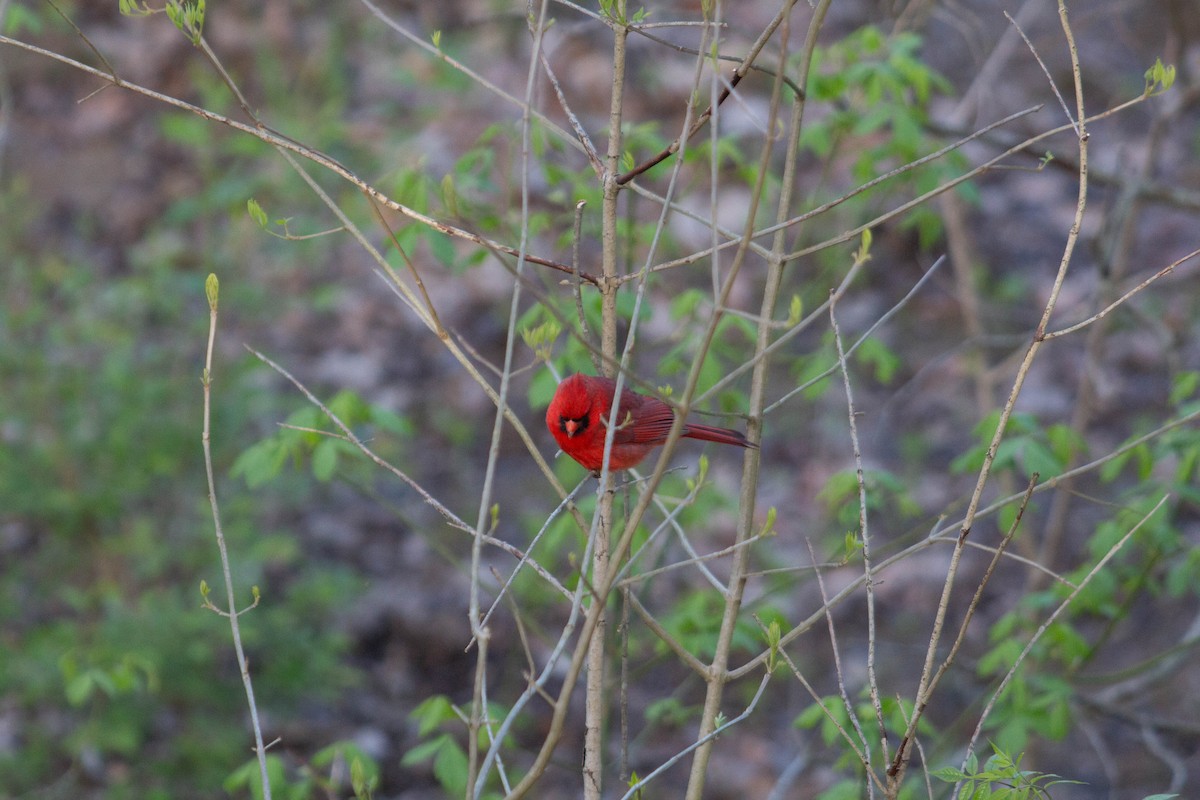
[579,413]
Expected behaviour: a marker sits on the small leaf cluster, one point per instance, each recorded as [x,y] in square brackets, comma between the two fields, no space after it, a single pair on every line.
[1000,778]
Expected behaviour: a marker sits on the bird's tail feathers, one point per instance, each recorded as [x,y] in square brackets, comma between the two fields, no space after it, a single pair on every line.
[710,433]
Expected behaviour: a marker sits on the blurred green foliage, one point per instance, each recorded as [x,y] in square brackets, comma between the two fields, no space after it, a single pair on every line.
[123,685]
[329,772]
[1041,699]
[879,88]
[122,677]
[1001,776]
[441,731]
[124,682]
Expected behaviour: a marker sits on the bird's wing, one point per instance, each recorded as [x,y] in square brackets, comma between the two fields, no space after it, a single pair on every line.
[642,419]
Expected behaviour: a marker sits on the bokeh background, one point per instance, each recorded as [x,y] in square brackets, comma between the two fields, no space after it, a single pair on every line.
[115,683]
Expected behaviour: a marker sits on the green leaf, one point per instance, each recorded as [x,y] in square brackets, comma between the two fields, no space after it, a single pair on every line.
[1005,626]
[768,527]
[450,768]
[795,311]
[541,388]
[349,407]
[1184,574]
[819,713]
[1065,442]
[1184,386]
[431,713]
[358,781]
[80,688]
[541,339]
[256,213]
[247,776]
[324,459]
[392,422]
[260,462]
[997,660]
[242,777]
[969,461]
[133,8]
[1113,467]
[852,545]
[22,19]
[949,774]
[1159,78]
[449,195]
[863,253]
[668,712]
[188,17]
[878,355]
[685,303]
[840,486]
[425,750]
[1006,516]
[1038,459]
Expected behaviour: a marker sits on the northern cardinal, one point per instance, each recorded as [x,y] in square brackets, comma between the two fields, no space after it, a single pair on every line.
[579,413]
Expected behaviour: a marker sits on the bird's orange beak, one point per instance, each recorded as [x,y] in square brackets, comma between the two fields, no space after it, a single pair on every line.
[571,426]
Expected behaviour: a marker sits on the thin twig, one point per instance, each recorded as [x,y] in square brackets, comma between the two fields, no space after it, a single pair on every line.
[673,644]
[279,140]
[820,702]
[1049,79]
[537,685]
[478,632]
[833,297]
[112,71]
[623,692]
[436,321]
[973,606]
[732,237]
[594,695]
[476,77]
[211,290]
[694,560]
[746,63]
[920,752]
[855,232]
[577,287]
[864,534]
[635,790]
[941,534]
[589,149]
[1045,626]
[446,513]
[500,544]
[670,520]
[747,492]
[797,90]
[851,714]
[921,698]
[527,557]
[1099,315]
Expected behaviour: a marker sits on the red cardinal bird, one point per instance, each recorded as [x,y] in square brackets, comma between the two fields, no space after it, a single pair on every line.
[579,413]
